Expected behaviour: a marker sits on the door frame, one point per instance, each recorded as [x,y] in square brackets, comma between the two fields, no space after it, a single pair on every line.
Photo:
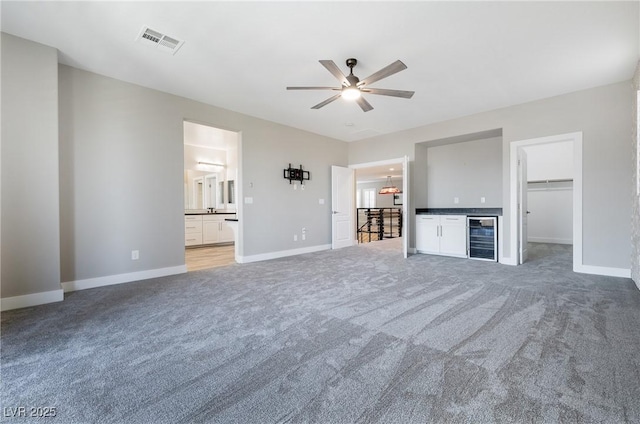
[523,186]
[405,189]
[239,205]
[514,241]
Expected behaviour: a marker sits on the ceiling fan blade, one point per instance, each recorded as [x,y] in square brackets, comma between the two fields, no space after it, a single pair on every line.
[335,71]
[366,107]
[395,67]
[326,102]
[314,88]
[385,92]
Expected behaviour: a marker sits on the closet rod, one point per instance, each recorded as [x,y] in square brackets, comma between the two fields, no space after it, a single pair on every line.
[562,180]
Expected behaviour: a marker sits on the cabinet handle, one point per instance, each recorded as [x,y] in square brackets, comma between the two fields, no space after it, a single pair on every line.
[191,239]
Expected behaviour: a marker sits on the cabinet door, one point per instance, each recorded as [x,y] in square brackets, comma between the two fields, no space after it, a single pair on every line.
[210,232]
[453,235]
[427,240]
[226,233]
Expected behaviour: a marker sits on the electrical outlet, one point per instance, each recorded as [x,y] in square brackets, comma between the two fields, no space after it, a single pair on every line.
[304,233]
[295,186]
[456,200]
[482,200]
[295,237]
[135,255]
[321,201]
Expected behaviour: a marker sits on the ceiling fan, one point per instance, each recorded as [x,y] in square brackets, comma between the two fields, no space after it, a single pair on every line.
[352,88]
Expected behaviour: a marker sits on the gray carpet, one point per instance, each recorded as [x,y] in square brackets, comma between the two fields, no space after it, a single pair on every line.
[358,335]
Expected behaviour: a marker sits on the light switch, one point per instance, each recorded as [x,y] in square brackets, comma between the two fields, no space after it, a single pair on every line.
[321,201]
[248,200]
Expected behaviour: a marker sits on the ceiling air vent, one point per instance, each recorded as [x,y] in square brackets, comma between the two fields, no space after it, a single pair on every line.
[159,40]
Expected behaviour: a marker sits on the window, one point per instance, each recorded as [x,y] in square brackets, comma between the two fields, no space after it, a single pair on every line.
[369,198]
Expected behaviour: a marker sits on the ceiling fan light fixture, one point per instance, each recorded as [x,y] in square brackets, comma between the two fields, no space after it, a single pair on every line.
[351,87]
[350,93]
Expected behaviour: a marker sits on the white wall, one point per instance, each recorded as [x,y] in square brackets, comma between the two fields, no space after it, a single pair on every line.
[195,154]
[382,200]
[602,114]
[551,161]
[551,217]
[635,183]
[550,203]
[30,195]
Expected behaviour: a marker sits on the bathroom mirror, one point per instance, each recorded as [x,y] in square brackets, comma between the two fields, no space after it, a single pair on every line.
[203,190]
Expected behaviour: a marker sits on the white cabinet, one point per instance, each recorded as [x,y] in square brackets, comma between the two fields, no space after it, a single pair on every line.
[207,229]
[442,235]
[192,230]
[428,233]
[215,229]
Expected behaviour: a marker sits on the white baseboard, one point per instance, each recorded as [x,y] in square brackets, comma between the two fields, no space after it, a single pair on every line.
[281,254]
[549,240]
[507,260]
[90,283]
[602,270]
[34,299]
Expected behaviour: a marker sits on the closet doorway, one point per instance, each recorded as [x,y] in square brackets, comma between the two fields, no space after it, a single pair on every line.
[546,194]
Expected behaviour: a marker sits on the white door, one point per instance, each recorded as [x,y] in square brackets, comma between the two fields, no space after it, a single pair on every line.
[406,228]
[523,213]
[343,212]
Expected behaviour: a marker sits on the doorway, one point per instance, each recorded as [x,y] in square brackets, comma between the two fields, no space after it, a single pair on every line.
[382,216]
[519,194]
[210,175]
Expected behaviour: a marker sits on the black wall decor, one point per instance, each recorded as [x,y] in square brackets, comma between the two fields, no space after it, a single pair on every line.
[296,174]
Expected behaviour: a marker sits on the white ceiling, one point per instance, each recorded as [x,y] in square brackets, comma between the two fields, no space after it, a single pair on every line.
[462,57]
[380,173]
[209,137]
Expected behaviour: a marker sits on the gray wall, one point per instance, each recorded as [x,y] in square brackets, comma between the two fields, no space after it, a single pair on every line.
[121,161]
[30,200]
[603,114]
[121,152]
[278,211]
[468,171]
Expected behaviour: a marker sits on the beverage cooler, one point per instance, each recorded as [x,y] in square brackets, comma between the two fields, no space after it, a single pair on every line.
[483,238]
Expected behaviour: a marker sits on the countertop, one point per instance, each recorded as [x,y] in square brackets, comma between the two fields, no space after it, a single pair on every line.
[460,211]
[210,213]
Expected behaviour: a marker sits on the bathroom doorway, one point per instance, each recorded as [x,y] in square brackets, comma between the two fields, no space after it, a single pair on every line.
[210,174]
